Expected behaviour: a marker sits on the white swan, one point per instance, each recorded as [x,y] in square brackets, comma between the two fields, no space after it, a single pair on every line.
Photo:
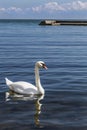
[22,87]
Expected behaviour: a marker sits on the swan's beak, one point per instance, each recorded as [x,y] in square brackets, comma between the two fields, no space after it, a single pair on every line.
[45,67]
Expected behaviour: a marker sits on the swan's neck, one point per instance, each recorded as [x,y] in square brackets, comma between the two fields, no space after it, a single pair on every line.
[37,80]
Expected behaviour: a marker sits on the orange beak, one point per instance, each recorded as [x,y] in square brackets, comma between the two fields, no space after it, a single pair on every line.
[45,67]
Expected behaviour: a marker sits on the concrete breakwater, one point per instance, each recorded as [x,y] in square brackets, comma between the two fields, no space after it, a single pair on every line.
[64,22]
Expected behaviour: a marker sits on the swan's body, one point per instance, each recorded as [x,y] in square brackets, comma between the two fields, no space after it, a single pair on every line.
[22,87]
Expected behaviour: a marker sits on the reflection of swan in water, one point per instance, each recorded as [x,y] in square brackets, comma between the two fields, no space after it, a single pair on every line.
[14,96]
[38,110]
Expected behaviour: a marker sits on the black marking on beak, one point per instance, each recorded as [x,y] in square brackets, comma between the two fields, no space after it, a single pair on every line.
[44,66]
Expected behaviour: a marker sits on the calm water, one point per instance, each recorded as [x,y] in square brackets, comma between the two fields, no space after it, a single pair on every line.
[64,49]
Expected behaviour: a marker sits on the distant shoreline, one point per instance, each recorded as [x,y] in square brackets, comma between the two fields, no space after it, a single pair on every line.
[51,22]
[58,20]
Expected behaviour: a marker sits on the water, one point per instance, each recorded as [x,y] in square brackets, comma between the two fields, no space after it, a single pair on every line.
[64,49]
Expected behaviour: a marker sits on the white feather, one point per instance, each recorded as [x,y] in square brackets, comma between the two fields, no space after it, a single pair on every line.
[25,87]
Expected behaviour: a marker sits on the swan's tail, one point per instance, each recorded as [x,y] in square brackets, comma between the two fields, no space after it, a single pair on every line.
[8,82]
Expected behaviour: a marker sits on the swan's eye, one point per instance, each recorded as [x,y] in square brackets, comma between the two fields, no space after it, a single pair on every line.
[43,65]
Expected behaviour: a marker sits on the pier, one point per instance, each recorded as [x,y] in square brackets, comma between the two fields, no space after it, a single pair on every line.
[64,22]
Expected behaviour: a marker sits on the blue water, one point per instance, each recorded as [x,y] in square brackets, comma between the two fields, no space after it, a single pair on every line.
[64,50]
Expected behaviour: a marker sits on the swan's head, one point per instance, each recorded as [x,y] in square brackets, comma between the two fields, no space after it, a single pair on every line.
[41,64]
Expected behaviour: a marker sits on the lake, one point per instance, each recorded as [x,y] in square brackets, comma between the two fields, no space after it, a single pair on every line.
[64,50]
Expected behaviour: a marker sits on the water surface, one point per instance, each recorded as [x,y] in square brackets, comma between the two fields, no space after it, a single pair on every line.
[64,49]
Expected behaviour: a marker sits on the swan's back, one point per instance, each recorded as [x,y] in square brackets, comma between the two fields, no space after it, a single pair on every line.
[24,88]
[21,87]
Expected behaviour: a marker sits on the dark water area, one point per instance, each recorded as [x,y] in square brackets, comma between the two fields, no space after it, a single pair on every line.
[64,50]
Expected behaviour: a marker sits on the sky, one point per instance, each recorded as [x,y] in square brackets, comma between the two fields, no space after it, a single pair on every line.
[43,9]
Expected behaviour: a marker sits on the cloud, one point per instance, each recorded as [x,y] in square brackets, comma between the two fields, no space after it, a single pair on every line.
[15,9]
[2,9]
[51,6]
[76,5]
[10,9]
[37,9]
[55,6]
